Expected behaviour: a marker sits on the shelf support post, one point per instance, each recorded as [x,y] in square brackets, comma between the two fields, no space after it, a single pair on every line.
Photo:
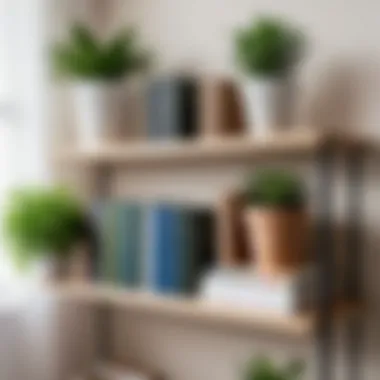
[353,277]
[326,264]
[104,312]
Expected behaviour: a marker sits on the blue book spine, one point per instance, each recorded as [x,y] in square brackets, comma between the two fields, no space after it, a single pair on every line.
[163,249]
[155,247]
[148,259]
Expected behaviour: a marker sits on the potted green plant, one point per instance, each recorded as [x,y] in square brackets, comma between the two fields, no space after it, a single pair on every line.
[42,226]
[276,221]
[96,69]
[268,50]
[264,369]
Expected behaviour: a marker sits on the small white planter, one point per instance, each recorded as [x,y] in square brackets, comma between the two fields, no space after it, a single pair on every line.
[98,110]
[42,272]
[269,104]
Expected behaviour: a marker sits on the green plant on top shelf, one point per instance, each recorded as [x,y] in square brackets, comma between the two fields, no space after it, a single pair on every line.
[275,188]
[269,47]
[42,223]
[85,56]
[264,369]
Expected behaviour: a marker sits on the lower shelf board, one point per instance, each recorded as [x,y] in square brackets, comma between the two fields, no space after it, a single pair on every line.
[198,311]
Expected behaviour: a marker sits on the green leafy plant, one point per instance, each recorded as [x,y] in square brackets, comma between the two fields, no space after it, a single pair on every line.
[264,369]
[40,223]
[269,47]
[86,56]
[275,188]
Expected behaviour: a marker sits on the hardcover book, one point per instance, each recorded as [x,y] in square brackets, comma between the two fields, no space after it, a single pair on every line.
[286,294]
[130,237]
[171,108]
[220,111]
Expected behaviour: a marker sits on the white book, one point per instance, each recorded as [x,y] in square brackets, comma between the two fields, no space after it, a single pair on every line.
[286,294]
[107,371]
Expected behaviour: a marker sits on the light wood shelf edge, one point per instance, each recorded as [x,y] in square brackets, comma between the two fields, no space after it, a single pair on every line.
[191,310]
[290,143]
[300,141]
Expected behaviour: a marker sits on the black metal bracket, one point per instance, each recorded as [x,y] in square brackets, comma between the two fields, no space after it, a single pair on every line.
[353,279]
[102,181]
[325,258]
[104,312]
[353,270]
[103,327]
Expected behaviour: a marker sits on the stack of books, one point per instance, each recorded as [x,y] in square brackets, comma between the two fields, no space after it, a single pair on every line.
[160,247]
[284,294]
[119,371]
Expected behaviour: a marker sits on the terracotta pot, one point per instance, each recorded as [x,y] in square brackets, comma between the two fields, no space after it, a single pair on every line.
[277,238]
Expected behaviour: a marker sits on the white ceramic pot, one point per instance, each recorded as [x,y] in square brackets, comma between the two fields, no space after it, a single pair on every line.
[269,104]
[98,110]
[48,270]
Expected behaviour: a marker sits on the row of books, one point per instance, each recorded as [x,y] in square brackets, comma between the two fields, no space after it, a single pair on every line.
[157,246]
[178,249]
[185,107]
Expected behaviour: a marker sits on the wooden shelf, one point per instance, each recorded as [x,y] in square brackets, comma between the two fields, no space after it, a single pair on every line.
[294,143]
[196,311]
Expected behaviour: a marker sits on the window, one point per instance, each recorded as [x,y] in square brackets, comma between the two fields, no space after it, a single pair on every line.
[23,100]
[8,129]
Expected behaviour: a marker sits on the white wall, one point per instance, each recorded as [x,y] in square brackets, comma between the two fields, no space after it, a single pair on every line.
[340,84]
[341,76]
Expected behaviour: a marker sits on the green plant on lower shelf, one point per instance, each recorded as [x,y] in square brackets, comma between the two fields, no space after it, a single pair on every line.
[42,223]
[263,368]
[275,188]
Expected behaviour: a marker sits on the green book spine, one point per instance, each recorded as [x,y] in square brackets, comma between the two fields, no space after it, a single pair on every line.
[109,246]
[135,260]
[130,238]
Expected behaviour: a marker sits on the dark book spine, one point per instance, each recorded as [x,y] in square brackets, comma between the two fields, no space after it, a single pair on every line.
[188,109]
[161,254]
[203,245]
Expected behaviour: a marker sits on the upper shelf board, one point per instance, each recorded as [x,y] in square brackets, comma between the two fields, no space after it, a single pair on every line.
[294,143]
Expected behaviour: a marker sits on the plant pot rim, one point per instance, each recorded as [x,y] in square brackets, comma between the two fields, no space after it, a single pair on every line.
[282,209]
[261,78]
[96,82]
